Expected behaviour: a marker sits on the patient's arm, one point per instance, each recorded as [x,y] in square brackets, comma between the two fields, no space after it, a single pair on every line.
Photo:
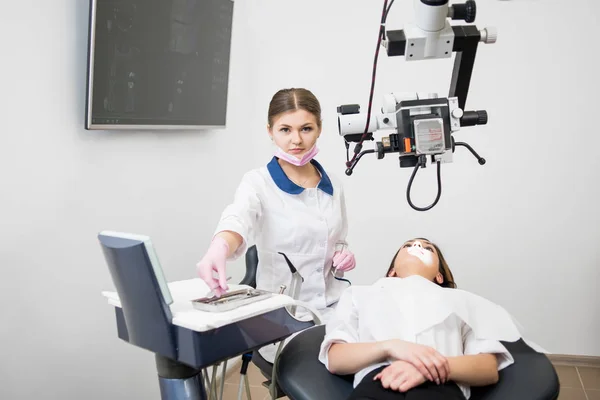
[342,351]
[349,358]
[474,370]
[481,360]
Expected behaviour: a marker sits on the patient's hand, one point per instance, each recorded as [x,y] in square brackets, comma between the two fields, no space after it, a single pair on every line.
[400,376]
[427,360]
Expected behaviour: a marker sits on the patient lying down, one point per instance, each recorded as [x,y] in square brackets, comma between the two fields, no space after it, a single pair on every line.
[413,335]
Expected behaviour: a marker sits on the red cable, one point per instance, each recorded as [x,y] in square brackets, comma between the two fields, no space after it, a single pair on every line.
[365,134]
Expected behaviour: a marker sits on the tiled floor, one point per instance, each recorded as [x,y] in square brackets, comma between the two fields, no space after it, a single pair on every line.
[581,383]
[255,379]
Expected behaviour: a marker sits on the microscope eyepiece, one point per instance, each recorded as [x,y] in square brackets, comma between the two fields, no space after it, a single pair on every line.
[466,11]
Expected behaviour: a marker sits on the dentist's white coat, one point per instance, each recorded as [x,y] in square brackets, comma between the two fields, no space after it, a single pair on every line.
[277,215]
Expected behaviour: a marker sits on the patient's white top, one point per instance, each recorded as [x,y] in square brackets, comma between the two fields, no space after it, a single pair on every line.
[414,309]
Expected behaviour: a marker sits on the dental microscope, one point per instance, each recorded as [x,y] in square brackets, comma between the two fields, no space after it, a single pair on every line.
[422,124]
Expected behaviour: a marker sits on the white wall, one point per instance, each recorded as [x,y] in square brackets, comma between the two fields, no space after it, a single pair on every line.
[523,230]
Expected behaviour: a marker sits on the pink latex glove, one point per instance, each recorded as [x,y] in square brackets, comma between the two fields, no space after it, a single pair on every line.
[344,260]
[214,260]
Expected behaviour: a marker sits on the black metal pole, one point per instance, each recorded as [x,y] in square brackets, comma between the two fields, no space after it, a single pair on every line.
[466,40]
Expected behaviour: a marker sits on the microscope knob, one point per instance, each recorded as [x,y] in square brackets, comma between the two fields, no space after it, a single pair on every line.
[489,35]
[482,117]
[458,113]
[471,11]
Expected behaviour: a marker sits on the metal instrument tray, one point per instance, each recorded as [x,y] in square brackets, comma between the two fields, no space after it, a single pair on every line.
[231,300]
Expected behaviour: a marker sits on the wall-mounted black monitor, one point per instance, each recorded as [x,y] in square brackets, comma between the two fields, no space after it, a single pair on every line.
[158,64]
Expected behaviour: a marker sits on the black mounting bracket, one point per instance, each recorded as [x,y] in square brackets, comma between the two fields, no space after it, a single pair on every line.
[466,41]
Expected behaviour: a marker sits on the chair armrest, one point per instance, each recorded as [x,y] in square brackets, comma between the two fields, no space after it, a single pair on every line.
[531,377]
[302,376]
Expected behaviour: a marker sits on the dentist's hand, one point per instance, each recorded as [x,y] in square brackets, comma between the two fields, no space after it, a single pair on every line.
[344,260]
[214,260]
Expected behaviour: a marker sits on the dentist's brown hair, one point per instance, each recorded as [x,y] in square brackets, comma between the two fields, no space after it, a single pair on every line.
[294,99]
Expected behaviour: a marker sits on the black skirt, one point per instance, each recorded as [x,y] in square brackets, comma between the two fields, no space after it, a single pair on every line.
[368,389]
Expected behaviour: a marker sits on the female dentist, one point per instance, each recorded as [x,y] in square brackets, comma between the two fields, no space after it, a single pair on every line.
[292,206]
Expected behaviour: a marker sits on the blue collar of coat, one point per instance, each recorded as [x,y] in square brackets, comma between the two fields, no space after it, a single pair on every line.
[284,183]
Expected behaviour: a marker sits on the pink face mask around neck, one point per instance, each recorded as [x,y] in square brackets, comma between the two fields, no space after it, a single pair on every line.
[299,162]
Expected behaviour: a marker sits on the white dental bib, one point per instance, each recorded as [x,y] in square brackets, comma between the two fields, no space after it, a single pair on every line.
[424,304]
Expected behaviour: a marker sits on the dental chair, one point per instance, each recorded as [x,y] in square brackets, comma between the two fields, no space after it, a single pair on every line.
[301,376]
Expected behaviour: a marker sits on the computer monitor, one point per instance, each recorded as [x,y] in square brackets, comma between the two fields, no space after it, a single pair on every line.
[158,64]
